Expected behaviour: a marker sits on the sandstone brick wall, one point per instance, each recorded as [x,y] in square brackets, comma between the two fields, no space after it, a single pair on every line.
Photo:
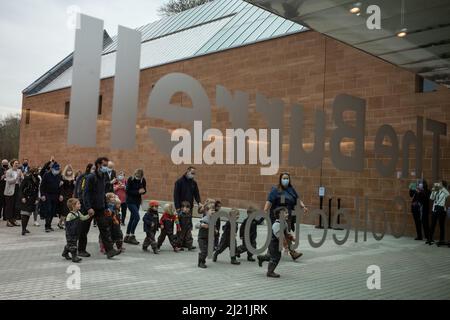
[291,68]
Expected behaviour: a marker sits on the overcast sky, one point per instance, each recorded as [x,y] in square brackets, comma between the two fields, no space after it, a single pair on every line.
[36,35]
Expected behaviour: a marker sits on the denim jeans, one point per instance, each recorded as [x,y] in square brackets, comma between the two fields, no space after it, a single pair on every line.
[134,218]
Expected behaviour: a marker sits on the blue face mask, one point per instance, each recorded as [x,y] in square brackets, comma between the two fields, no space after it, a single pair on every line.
[285,182]
[111,206]
[55,172]
[104,169]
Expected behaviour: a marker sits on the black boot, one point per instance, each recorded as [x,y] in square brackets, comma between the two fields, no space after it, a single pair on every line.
[215,256]
[295,255]
[155,249]
[132,240]
[75,258]
[65,254]
[261,259]
[25,224]
[119,245]
[271,271]
[84,254]
[201,263]
[145,248]
[111,253]
[251,259]
[234,261]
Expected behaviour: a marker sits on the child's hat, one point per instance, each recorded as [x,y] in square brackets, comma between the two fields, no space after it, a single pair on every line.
[154,203]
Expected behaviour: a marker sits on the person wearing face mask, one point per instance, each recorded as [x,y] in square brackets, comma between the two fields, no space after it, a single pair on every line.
[67,191]
[85,225]
[51,194]
[94,198]
[119,186]
[420,207]
[186,189]
[3,169]
[111,177]
[284,195]
[13,178]
[136,187]
[29,195]
[25,167]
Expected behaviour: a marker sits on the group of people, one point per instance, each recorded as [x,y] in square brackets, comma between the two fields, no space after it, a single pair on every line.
[102,197]
[425,202]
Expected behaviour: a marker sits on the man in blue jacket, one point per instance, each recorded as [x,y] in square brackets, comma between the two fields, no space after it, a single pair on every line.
[51,194]
[94,199]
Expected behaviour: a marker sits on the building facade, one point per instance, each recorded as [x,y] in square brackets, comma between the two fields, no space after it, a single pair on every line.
[304,68]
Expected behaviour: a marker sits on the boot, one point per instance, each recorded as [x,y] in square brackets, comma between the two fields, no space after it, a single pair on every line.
[192,248]
[234,261]
[201,263]
[251,259]
[25,224]
[84,254]
[119,245]
[295,255]
[126,239]
[215,256]
[155,250]
[111,253]
[75,258]
[261,259]
[132,240]
[271,271]
[65,254]
[145,248]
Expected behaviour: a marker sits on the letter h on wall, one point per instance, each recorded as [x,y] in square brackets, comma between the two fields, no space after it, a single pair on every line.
[86,85]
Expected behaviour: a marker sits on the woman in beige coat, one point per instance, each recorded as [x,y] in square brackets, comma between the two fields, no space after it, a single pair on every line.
[13,178]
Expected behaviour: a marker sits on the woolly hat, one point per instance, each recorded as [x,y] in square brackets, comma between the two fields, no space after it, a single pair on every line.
[154,203]
[56,166]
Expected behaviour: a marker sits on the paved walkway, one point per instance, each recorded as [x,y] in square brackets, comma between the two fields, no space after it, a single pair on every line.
[31,267]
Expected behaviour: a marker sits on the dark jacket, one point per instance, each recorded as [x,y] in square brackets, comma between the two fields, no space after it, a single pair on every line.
[50,186]
[94,192]
[109,185]
[67,191]
[29,189]
[151,221]
[2,181]
[185,190]
[133,186]
[253,229]
[77,191]
[185,221]
[226,232]
[420,199]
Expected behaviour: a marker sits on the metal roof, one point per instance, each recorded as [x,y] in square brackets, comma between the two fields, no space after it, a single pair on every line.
[212,27]
[425,50]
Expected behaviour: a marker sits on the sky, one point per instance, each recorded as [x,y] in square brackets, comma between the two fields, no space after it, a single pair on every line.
[36,35]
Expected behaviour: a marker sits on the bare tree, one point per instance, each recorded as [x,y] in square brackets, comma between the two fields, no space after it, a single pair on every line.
[9,136]
[176,6]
